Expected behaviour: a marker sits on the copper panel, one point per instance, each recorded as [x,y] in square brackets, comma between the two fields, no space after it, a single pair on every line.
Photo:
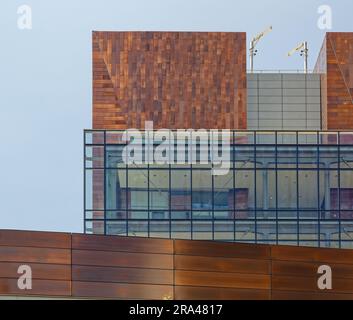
[41,287]
[217,249]
[235,265]
[104,243]
[222,280]
[323,255]
[175,79]
[35,239]
[206,293]
[121,291]
[122,259]
[122,275]
[336,63]
[292,268]
[193,269]
[290,283]
[39,255]
[39,271]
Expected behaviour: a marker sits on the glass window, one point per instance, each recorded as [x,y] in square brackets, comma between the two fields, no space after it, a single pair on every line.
[287,189]
[117,195]
[202,196]
[138,189]
[180,196]
[94,189]
[159,189]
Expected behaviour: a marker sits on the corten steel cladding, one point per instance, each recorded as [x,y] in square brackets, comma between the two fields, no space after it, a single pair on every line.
[175,79]
[336,63]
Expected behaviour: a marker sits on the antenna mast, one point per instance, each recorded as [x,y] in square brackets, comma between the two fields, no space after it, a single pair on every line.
[304,52]
[253,43]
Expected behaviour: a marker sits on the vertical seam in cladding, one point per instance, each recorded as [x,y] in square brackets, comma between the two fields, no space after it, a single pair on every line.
[104,186]
[271,273]
[173,268]
[84,182]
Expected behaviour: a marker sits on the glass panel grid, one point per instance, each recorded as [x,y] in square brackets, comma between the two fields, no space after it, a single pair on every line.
[292,188]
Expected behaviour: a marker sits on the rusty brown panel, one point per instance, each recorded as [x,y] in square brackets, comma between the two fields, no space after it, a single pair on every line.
[122,275]
[39,271]
[116,243]
[217,264]
[217,249]
[222,280]
[203,293]
[36,255]
[324,255]
[175,79]
[35,239]
[121,290]
[293,268]
[39,287]
[291,283]
[296,295]
[336,62]
[122,259]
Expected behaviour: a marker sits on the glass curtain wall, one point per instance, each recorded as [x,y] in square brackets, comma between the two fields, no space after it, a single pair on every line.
[292,188]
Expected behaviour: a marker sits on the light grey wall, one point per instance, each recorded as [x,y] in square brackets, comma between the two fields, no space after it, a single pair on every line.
[284,101]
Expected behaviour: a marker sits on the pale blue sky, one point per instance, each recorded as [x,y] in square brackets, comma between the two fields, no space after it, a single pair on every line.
[45,84]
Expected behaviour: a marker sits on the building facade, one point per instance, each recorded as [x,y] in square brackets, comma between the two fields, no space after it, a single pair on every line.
[290,181]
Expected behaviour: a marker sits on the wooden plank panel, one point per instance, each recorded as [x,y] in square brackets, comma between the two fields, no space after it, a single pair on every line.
[290,283]
[122,259]
[122,275]
[39,271]
[216,249]
[222,280]
[235,265]
[39,255]
[35,239]
[312,254]
[116,243]
[309,269]
[39,287]
[206,293]
[121,291]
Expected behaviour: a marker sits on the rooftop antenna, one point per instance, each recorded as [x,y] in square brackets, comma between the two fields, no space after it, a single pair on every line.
[253,44]
[304,52]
